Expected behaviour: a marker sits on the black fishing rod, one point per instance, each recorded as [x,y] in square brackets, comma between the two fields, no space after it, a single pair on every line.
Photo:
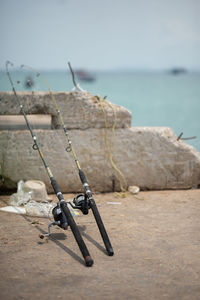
[84,201]
[61,212]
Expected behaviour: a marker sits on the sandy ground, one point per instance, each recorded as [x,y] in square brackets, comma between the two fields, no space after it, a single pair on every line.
[155,236]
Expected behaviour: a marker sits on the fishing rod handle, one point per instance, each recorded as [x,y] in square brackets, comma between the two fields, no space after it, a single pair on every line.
[101,227]
[72,224]
[96,214]
[86,255]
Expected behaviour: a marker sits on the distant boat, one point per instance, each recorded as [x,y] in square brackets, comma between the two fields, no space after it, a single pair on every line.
[178,71]
[84,75]
[29,82]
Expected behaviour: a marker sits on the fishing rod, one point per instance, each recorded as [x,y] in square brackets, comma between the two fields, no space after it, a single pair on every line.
[61,212]
[84,201]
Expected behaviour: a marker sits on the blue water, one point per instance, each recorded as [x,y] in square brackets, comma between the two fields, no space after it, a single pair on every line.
[154,99]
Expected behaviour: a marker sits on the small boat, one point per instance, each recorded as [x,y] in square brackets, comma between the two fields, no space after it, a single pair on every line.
[178,71]
[29,82]
[84,75]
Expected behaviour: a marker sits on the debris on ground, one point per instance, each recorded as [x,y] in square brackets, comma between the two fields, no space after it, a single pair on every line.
[133,189]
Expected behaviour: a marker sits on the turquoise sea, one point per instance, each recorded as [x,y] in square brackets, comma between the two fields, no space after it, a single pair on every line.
[155,99]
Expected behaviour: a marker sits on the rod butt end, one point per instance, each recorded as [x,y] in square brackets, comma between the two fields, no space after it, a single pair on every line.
[110,251]
[89,261]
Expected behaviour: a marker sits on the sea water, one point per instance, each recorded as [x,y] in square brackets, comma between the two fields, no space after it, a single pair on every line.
[154,99]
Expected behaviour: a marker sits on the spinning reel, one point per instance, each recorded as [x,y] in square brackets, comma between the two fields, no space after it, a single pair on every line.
[59,217]
[60,220]
[80,202]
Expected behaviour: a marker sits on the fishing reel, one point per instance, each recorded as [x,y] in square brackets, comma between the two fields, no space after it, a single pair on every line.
[81,202]
[60,220]
[59,217]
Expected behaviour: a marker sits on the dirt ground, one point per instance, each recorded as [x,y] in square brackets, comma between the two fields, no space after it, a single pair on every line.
[156,240]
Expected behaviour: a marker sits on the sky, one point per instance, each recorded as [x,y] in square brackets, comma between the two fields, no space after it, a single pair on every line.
[101,35]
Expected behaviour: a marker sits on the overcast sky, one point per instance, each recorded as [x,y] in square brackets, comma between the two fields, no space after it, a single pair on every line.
[100,34]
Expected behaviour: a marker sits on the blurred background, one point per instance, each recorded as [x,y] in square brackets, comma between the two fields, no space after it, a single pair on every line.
[141,54]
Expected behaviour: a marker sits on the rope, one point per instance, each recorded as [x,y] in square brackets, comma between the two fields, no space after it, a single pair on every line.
[118,173]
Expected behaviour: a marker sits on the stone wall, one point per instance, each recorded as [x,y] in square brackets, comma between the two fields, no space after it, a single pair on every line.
[151,158]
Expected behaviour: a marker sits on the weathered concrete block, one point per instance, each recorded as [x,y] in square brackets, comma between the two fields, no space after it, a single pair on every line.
[79,110]
[150,158]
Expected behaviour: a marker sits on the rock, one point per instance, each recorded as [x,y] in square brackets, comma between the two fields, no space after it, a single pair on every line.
[148,157]
[133,189]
